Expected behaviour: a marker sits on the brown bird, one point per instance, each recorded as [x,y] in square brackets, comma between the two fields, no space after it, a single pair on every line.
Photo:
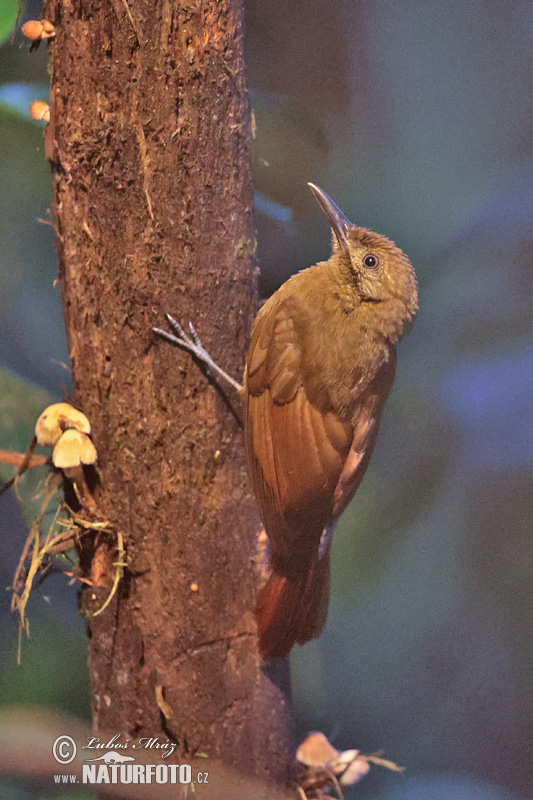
[319,369]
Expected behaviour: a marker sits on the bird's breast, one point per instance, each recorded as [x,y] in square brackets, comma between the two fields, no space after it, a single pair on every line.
[340,363]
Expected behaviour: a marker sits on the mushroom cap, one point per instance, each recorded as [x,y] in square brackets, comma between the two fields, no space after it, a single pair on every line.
[356,770]
[56,419]
[48,29]
[316,750]
[72,449]
[40,110]
[32,29]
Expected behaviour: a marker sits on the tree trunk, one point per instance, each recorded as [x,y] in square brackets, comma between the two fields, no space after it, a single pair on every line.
[149,144]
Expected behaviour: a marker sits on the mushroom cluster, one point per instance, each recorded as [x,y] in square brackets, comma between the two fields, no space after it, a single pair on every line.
[317,753]
[38,29]
[326,767]
[67,430]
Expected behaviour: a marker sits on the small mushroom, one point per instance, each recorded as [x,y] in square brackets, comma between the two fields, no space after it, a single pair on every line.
[37,30]
[356,770]
[340,763]
[40,110]
[316,750]
[58,418]
[317,754]
[73,449]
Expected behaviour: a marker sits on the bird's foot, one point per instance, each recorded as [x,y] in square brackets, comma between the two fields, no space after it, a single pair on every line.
[194,346]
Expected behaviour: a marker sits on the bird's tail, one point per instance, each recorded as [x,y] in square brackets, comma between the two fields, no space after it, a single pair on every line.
[292,609]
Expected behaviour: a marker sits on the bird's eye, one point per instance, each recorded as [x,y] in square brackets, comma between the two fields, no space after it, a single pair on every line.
[371,262]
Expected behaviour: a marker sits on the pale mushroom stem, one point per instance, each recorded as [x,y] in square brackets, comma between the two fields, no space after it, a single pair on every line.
[77,478]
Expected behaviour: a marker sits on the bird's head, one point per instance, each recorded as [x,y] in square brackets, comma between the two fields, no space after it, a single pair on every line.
[381,273]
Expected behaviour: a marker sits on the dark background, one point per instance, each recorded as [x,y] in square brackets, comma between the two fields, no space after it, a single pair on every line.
[417,119]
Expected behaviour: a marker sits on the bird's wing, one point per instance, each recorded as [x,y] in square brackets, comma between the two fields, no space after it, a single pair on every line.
[295,453]
[365,430]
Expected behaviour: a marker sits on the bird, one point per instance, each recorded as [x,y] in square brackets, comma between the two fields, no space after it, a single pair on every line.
[320,365]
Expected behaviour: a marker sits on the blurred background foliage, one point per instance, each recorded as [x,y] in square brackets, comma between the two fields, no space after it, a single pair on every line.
[417,119]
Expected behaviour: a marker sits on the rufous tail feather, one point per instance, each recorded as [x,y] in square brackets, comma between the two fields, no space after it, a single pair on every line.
[292,609]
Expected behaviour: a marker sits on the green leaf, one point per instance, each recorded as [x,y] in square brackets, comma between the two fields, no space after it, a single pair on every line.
[8,17]
[20,405]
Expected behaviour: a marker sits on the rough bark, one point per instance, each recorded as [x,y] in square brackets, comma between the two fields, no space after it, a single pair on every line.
[148,141]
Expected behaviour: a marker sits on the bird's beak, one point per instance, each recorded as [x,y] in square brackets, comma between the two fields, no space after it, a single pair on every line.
[340,224]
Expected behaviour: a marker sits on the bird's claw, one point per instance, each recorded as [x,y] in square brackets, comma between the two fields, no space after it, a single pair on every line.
[195,335]
[194,346]
[175,325]
[191,343]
